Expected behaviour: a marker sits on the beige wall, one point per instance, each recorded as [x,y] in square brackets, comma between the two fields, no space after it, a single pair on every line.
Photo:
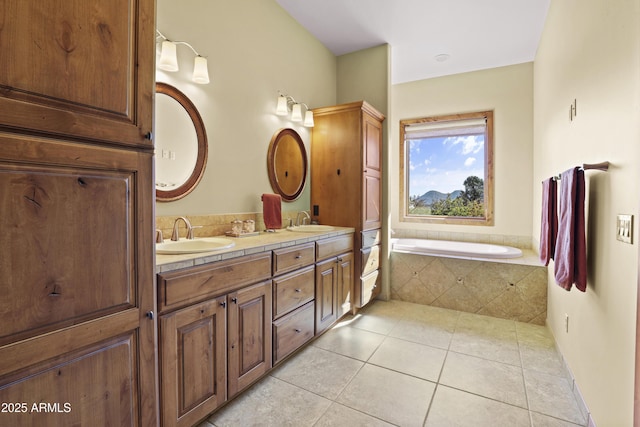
[365,75]
[254,49]
[509,92]
[590,52]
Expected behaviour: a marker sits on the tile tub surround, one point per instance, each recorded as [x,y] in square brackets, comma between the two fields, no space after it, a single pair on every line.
[403,364]
[514,289]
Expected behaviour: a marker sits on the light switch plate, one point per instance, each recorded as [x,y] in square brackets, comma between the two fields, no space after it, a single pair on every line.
[624,228]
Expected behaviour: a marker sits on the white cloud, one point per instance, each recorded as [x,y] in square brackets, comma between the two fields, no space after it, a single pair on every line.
[470,161]
[468,144]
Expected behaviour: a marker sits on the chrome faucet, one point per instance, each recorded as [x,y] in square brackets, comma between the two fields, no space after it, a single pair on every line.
[305,213]
[175,236]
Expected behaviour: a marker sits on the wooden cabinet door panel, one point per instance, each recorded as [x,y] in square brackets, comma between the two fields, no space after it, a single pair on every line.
[249,332]
[344,283]
[77,69]
[326,277]
[64,265]
[75,217]
[372,135]
[372,213]
[93,386]
[193,360]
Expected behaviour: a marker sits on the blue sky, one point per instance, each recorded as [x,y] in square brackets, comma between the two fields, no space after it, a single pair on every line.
[444,163]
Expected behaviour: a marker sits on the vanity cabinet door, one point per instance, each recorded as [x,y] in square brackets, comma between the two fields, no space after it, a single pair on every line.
[334,289]
[344,284]
[193,371]
[326,298]
[249,332]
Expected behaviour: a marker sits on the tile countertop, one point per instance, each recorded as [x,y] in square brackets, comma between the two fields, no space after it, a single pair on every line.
[245,246]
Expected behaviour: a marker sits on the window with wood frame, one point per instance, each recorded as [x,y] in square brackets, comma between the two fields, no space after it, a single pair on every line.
[446,169]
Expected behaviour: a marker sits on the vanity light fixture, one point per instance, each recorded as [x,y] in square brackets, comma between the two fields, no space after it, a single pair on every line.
[169,60]
[286,103]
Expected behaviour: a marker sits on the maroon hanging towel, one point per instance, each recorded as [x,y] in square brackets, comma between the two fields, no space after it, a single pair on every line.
[549,222]
[272,211]
[571,248]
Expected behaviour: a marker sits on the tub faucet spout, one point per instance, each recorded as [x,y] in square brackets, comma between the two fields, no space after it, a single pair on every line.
[175,236]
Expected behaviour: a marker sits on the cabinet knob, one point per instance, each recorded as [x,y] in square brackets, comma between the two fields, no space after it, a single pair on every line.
[298,256]
[148,136]
[235,300]
[297,331]
[298,290]
[149,315]
[223,303]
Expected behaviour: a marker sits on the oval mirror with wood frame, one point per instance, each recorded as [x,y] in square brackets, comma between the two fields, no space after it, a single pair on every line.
[180,144]
[287,164]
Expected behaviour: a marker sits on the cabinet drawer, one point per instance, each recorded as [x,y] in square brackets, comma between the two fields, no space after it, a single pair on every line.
[371,237]
[370,259]
[181,287]
[334,246]
[369,288]
[293,290]
[289,259]
[292,331]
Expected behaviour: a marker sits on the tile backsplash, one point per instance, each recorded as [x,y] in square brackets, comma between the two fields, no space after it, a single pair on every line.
[216,225]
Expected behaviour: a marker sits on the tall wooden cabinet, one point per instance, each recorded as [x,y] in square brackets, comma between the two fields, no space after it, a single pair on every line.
[77,336]
[346,190]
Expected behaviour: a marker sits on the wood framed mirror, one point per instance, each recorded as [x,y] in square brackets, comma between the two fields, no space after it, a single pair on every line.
[181,144]
[287,164]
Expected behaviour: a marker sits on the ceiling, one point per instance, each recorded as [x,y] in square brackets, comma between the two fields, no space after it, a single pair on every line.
[475,34]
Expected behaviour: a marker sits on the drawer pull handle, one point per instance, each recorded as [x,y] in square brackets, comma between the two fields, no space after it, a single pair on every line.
[297,331]
[298,290]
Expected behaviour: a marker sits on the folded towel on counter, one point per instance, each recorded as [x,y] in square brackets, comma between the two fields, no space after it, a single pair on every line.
[272,211]
[571,246]
[549,222]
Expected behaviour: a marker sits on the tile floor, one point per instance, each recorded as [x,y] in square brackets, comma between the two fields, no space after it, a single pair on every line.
[404,364]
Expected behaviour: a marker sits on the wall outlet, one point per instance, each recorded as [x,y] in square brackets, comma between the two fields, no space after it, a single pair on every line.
[624,228]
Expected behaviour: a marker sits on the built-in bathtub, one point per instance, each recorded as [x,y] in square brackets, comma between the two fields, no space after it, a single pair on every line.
[489,279]
[467,250]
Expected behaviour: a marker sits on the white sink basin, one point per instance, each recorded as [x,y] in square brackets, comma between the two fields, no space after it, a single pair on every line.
[184,246]
[311,228]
